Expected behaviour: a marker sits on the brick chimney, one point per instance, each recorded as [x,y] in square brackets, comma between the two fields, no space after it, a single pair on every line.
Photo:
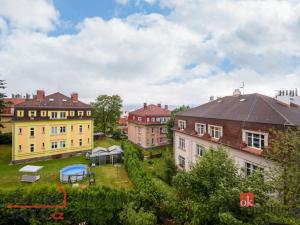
[145,105]
[166,107]
[159,105]
[74,97]
[40,95]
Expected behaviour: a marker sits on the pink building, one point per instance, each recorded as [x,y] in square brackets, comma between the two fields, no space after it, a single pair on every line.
[147,126]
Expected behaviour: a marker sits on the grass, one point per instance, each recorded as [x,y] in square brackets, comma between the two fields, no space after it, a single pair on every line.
[105,175]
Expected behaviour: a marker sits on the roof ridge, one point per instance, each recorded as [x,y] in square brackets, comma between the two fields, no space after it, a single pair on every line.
[275,110]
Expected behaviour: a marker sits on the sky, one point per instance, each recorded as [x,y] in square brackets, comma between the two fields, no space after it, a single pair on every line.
[157,51]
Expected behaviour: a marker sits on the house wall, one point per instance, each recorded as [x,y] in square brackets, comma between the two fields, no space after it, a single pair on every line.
[238,156]
[24,139]
[142,135]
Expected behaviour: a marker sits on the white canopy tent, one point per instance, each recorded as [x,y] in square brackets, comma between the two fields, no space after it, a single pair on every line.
[31,170]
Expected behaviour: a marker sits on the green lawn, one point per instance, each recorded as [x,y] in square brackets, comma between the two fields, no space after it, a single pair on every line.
[106,175]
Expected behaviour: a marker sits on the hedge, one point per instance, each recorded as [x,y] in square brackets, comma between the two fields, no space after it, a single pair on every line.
[93,206]
[6,139]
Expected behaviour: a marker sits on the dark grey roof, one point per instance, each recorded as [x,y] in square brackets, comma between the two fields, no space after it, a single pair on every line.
[249,108]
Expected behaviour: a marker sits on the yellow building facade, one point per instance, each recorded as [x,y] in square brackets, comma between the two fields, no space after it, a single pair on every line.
[51,127]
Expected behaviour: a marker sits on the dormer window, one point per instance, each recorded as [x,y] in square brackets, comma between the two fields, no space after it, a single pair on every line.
[53,115]
[32,113]
[215,131]
[80,113]
[139,118]
[255,139]
[200,128]
[51,99]
[181,124]
[63,115]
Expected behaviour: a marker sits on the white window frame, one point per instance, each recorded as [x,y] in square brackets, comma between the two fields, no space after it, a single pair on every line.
[181,124]
[199,150]
[62,129]
[253,167]
[180,160]
[245,138]
[54,145]
[62,144]
[199,125]
[31,132]
[53,115]
[53,130]
[181,143]
[63,115]
[212,132]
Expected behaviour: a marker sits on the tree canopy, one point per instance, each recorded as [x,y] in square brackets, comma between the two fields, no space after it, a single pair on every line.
[106,112]
[284,151]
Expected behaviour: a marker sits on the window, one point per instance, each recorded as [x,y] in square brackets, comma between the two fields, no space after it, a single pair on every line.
[72,113]
[80,113]
[53,145]
[20,130]
[199,150]
[181,124]
[31,147]
[63,115]
[139,118]
[88,113]
[88,140]
[200,128]
[80,142]
[62,144]
[158,119]
[43,113]
[251,168]
[181,161]
[152,141]
[255,140]
[62,130]
[20,113]
[43,145]
[53,130]
[148,119]
[163,130]
[215,131]
[43,130]
[153,129]
[153,119]
[31,113]
[53,115]
[72,128]
[31,132]
[181,143]
[80,128]
[88,127]
[20,148]
[72,142]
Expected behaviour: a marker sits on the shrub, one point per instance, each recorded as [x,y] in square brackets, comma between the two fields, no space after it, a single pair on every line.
[6,139]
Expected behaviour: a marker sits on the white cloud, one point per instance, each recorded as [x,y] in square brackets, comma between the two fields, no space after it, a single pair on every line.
[170,59]
[29,14]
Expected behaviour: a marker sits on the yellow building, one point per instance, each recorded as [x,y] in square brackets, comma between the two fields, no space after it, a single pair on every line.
[51,127]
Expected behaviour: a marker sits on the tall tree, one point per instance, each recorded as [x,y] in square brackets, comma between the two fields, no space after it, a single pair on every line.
[284,150]
[2,96]
[107,111]
[210,193]
[172,120]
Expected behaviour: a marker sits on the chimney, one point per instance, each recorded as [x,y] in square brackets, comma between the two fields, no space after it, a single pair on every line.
[236,93]
[159,105]
[211,98]
[74,97]
[166,107]
[40,95]
[145,105]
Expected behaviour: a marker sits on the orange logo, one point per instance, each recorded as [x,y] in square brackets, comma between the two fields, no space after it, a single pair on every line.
[247,199]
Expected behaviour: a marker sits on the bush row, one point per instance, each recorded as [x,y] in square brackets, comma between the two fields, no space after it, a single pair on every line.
[93,206]
[6,139]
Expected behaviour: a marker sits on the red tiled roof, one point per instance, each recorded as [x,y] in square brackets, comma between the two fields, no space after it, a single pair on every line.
[56,100]
[151,110]
[13,101]
[248,108]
